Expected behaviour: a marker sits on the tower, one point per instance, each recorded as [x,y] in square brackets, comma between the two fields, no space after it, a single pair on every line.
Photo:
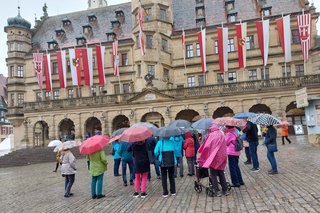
[96,3]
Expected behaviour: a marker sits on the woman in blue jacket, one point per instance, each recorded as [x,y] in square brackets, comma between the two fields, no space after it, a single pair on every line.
[116,157]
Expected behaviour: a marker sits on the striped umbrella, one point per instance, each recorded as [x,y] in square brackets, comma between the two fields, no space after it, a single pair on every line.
[264,119]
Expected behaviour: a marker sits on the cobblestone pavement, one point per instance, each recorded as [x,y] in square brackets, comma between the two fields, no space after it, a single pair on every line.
[35,188]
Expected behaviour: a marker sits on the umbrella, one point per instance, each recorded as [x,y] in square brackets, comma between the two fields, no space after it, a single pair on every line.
[136,133]
[147,124]
[203,123]
[168,131]
[113,139]
[54,143]
[229,121]
[244,115]
[264,119]
[66,145]
[118,131]
[180,123]
[93,144]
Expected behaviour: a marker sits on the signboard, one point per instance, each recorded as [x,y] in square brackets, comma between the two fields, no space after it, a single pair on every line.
[150,97]
[302,98]
[298,129]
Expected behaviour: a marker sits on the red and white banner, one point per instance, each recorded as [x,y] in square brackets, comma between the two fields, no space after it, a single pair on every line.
[47,71]
[263,39]
[183,42]
[202,45]
[241,31]
[75,66]
[38,66]
[115,58]
[62,68]
[141,38]
[304,24]
[284,30]
[100,63]
[87,62]
[223,48]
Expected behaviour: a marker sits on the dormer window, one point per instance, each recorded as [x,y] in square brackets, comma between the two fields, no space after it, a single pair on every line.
[120,15]
[230,5]
[199,2]
[92,17]
[201,22]
[86,29]
[200,12]
[110,36]
[266,10]
[60,32]
[52,44]
[115,24]
[66,22]
[232,16]
[81,40]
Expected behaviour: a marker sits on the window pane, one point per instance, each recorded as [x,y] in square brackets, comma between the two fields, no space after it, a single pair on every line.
[198,49]
[165,74]
[252,74]
[20,71]
[216,47]
[189,51]
[299,70]
[201,80]
[220,78]
[163,15]
[56,94]
[149,41]
[164,43]
[151,69]
[295,36]
[54,68]
[250,42]
[126,88]
[116,89]
[232,77]
[230,45]
[288,70]
[191,81]
[264,73]
[124,58]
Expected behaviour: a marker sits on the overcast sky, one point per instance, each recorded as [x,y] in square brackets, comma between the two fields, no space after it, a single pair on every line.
[33,8]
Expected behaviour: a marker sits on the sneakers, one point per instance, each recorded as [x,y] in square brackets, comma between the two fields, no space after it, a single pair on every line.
[165,195]
[272,172]
[255,169]
[173,194]
[136,194]
[125,184]
[247,162]
[131,183]
[218,194]
[100,196]
[225,193]
[143,195]
[94,196]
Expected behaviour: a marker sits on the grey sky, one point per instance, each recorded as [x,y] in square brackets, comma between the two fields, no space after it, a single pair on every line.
[33,8]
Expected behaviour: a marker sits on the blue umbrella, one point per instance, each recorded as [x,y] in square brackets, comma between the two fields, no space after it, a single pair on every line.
[180,123]
[203,123]
[166,132]
[244,115]
[118,131]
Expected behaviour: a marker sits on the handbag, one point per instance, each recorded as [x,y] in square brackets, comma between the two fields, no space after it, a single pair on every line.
[272,148]
[151,156]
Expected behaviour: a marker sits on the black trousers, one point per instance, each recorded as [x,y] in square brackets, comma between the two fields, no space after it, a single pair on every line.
[165,171]
[248,156]
[286,139]
[215,184]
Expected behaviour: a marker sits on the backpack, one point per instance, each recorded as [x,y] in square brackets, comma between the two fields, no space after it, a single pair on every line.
[238,146]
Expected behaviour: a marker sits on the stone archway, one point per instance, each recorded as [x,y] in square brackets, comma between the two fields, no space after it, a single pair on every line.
[295,116]
[65,127]
[40,133]
[260,108]
[153,117]
[223,112]
[187,114]
[91,125]
[120,121]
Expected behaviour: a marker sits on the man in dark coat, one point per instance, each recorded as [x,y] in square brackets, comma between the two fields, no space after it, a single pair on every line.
[251,131]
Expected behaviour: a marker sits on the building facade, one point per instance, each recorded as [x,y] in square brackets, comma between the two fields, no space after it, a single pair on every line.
[174,91]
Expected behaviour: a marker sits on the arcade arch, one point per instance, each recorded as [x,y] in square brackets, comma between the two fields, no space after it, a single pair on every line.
[40,133]
[65,127]
[222,112]
[92,124]
[260,108]
[120,121]
[187,114]
[154,118]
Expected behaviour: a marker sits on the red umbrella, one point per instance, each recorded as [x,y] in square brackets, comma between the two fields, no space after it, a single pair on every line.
[229,121]
[93,144]
[136,133]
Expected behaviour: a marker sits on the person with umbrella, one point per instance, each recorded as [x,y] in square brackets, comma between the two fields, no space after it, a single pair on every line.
[116,157]
[271,144]
[126,159]
[178,144]
[58,155]
[284,133]
[68,170]
[251,131]
[189,148]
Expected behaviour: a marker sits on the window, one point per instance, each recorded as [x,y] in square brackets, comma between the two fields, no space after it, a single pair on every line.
[199,1]
[139,70]
[71,93]
[189,51]
[137,41]
[124,59]
[252,74]
[232,17]
[191,81]
[116,89]
[11,71]
[47,95]
[56,94]
[68,66]
[220,78]
[163,14]
[151,69]
[93,90]
[148,16]
[102,91]
[198,49]
[216,49]
[231,45]
[55,68]
[295,36]
[265,73]
[20,99]
[126,88]
[19,47]
[165,74]
[288,71]
[232,77]
[250,42]
[3,131]
[20,71]
[299,70]
[11,99]
[266,12]
[201,80]
[230,6]
[164,43]
[149,44]
[200,12]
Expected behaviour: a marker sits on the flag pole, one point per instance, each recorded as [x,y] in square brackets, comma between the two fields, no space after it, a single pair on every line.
[304,60]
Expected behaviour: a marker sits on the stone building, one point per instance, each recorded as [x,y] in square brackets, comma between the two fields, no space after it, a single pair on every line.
[170,91]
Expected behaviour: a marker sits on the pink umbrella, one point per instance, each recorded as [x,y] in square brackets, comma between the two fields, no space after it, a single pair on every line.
[230,121]
[282,123]
[136,133]
[93,144]
[117,137]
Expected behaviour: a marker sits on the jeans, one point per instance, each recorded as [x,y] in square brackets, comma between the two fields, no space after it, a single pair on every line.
[253,152]
[286,139]
[180,163]
[190,162]
[248,156]
[143,177]
[124,170]
[272,160]
[116,166]
[213,176]
[96,185]
[68,182]
[235,173]
[165,171]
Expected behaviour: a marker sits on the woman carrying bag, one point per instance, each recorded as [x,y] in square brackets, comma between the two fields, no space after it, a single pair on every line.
[271,144]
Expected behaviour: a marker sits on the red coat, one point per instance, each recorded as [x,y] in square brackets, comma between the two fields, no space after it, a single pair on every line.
[189,146]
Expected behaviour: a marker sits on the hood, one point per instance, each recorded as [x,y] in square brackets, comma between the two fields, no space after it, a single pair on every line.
[188,135]
[213,128]
[230,130]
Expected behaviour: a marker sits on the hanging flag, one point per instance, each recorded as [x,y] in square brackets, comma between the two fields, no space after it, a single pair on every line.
[38,66]
[202,45]
[284,31]
[223,48]
[183,37]
[100,63]
[115,58]
[74,59]
[141,37]
[62,68]
[263,39]
[304,24]
[86,59]
[241,31]
[47,71]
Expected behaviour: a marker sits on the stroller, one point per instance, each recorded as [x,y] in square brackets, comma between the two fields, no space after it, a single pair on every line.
[202,173]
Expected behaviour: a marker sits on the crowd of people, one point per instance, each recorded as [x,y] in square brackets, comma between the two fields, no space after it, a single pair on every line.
[211,151]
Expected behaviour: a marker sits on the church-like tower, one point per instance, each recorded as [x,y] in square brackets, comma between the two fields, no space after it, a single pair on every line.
[92,4]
